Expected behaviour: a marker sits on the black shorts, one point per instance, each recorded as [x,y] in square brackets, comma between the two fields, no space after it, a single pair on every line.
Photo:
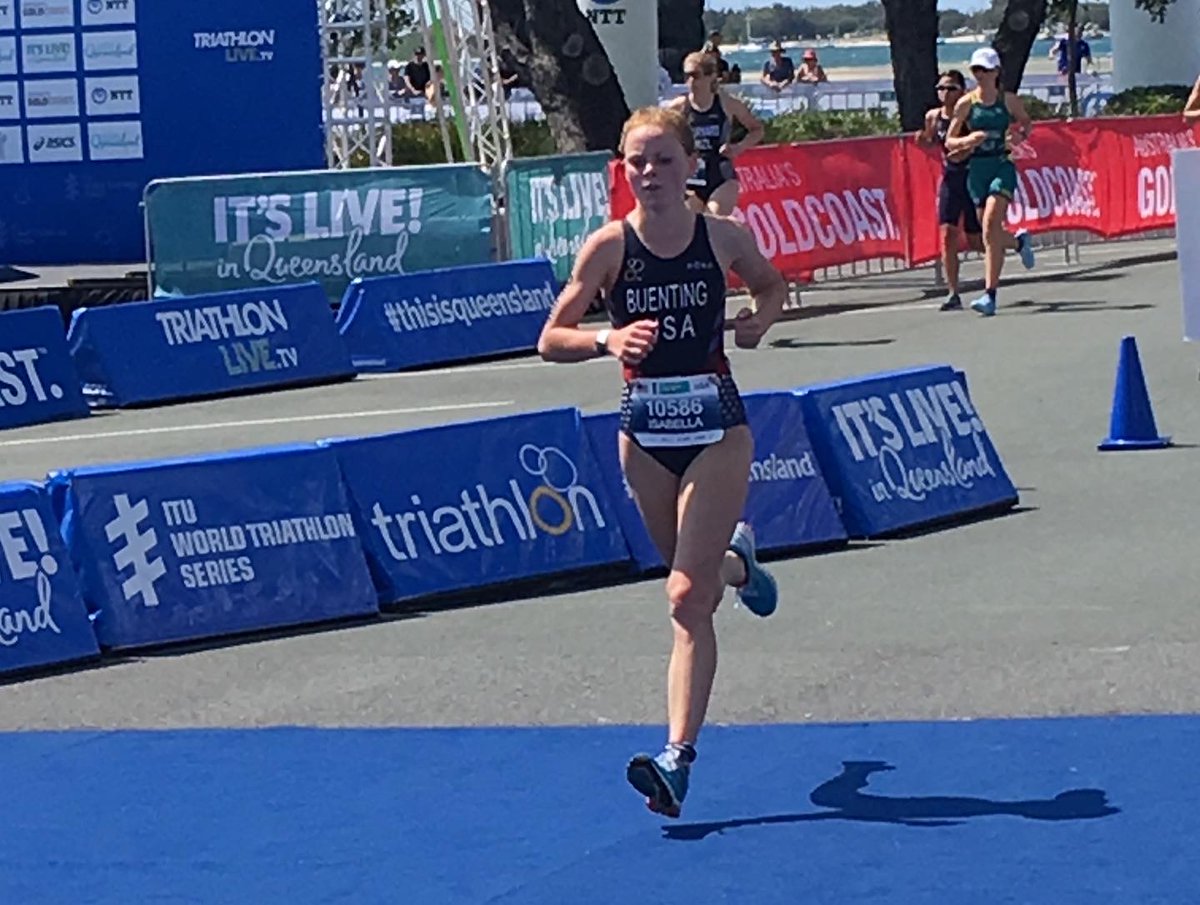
[955,204]
[717,175]
[677,459]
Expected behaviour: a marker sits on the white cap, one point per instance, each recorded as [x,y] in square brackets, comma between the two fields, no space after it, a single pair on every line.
[985,58]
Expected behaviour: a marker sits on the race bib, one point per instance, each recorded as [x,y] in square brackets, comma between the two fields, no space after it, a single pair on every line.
[675,411]
[700,177]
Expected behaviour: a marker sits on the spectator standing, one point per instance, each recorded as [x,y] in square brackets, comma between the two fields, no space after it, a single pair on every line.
[712,47]
[779,71]
[1083,51]
[811,72]
[417,75]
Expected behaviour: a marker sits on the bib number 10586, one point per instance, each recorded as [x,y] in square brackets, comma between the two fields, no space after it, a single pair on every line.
[676,411]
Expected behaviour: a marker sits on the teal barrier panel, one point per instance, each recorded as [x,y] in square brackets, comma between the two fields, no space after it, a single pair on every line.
[553,204]
[241,232]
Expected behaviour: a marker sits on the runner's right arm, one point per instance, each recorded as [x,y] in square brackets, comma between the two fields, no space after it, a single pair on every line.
[562,339]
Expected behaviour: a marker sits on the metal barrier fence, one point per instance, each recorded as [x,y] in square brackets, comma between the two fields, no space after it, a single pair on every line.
[853,94]
[1068,241]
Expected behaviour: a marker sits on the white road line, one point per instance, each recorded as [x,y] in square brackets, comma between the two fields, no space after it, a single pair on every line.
[254,422]
[471,369]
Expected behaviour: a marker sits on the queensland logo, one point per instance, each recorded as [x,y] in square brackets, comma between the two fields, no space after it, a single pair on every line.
[783,468]
[926,440]
[26,552]
[252,46]
[477,518]
[110,51]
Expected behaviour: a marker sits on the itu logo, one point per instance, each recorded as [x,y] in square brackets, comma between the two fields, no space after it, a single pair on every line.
[559,476]
[468,519]
[134,552]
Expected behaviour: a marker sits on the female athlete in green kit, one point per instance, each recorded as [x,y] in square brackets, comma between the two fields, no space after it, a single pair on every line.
[981,124]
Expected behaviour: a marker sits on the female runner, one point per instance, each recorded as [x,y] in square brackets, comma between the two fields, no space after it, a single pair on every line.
[981,125]
[711,113]
[956,212]
[685,446]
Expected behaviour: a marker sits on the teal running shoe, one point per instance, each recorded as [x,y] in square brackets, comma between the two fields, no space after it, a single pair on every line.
[1025,249]
[760,594]
[662,780]
[985,304]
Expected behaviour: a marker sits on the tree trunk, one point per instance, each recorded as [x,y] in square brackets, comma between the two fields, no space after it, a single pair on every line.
[1014,39]
[568,69]
[912,30]
[680,31]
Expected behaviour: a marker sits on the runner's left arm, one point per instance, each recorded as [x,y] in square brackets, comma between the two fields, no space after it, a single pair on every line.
[751,123]
[767,286]
[1024,123]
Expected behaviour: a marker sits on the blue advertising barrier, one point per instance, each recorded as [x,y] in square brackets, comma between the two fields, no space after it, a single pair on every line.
[789,504]
[178,550]
[480,503]
[99,97]
[904,449]
[207,344]
[42,617]
[445,315]
[37,379]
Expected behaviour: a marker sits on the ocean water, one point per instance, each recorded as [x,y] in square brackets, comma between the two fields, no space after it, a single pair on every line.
[950,55]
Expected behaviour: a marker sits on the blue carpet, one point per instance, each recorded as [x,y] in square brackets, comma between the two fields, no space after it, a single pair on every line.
[1062,812]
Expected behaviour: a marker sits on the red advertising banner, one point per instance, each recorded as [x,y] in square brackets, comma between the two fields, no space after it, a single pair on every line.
[1063,179]
[820,204]
[816,204]
[1142,188]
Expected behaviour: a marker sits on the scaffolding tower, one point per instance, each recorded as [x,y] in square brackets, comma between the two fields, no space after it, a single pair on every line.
[357,107]
[470,48]
[355,41]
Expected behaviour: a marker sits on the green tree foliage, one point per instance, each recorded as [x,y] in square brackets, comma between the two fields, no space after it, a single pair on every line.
[796,22]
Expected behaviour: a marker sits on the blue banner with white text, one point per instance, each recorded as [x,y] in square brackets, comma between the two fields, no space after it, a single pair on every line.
[42,617]
[184,549]
[788,503]
[100,97]
[38,381]
[904,449]
[482,503]
[207,345]
[439,316]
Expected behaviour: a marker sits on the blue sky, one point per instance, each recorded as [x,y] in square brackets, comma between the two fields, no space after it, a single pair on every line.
[966,6]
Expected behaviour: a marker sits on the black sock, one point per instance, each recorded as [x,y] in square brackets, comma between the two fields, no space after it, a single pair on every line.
[685,750]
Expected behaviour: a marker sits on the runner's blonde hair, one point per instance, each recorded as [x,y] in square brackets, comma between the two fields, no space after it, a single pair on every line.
[671,121]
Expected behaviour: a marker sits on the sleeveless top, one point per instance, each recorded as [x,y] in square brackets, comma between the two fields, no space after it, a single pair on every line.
[684,294]
[993,119]
[711,129]
[942,130]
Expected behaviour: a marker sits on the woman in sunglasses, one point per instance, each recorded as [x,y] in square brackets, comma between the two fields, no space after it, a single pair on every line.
[982,123]
[956,212]
[711,113]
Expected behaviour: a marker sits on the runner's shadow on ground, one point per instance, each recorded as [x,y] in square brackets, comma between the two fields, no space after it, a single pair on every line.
[1076,307]
[843,797]
[792,343]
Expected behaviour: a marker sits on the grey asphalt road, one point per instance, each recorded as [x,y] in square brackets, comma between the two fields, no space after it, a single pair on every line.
[1083,601]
